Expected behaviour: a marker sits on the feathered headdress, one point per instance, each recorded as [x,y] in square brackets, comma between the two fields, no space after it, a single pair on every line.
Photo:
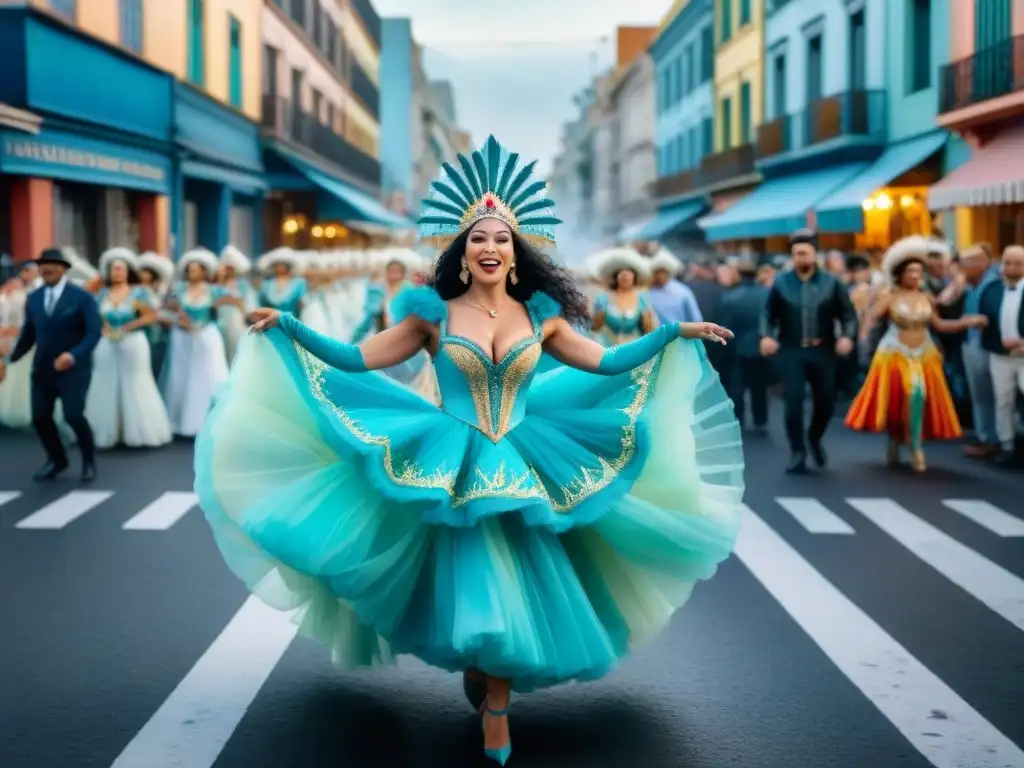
[488,187]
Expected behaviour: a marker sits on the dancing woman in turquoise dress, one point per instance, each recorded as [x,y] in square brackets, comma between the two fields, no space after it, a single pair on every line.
[528,531]
[624,312]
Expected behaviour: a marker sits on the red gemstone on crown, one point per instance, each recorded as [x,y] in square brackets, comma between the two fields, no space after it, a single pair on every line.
[490,203]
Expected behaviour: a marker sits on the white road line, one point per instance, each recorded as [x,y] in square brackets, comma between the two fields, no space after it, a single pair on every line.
[162,513]
[195,722]
[930,715]
[994,586]
[815,516]
[6,496]
[65,510]
[987,516]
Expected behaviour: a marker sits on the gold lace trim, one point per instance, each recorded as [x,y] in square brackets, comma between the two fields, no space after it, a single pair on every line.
[500,483]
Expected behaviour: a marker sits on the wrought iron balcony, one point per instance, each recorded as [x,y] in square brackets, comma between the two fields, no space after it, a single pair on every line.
[678,184]
[850,114]
[288,121]
[989,73]
[365,89]
[369,16]
[729,164]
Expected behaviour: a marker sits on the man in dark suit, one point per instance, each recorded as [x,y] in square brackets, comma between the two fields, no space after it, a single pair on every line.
[62,322]
[1002,302]
[742,310]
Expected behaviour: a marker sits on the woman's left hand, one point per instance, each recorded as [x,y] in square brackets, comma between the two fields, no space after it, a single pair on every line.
[705,331]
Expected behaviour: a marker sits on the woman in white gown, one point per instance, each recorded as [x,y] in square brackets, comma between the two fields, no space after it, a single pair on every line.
[239,298]
[197,364]
[15,389]
[316,306]
[124,404]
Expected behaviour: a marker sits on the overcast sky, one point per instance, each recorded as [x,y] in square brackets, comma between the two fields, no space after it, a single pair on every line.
[516,65]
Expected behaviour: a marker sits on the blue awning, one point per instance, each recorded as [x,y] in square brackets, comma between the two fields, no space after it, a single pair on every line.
[841,211]
[353,205]
[672,218]
[778,206]
[238,181]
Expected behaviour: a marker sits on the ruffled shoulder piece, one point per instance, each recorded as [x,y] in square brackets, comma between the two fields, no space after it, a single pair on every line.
[421,301]
[542,307]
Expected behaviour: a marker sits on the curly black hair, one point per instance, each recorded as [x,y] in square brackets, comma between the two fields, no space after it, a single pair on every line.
[897,273]
[534,268]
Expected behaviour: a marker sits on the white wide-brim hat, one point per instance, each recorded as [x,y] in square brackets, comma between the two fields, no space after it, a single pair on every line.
[80,268]
[278,256]
[233,258]
[915,247]
[407,257]
[198,256]
[112,255]
[609,263]
[664,259]
[159,265]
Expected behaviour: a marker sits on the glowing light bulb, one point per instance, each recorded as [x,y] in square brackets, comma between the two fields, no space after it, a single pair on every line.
[331,231]
[317,231]
[868,204]
[883,201]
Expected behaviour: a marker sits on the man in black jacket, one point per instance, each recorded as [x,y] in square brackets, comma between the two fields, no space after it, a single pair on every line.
[742,311]
[804,307]
[63,323]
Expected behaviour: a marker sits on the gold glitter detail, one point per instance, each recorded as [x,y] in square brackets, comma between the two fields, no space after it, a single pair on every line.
[473,369]
[479,210]
[501,483]
[408,474]
[511,380]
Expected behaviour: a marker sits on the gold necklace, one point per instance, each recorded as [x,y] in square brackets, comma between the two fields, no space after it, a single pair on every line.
[492,312]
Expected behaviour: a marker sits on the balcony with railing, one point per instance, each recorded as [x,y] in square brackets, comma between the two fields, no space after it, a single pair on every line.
[287,120]
[989,74]
[365,89]
[847,119]
[678,184]
[370,18]
[734,163]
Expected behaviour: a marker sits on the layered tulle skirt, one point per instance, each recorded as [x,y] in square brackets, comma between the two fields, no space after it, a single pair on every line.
[905,394]
[391,527]
[124,403]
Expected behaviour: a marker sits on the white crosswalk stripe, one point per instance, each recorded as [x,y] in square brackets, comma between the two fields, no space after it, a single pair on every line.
[988,516]
[6,496]
[68,508]
[994,586]
[815,516]
[162,513]
[895,682]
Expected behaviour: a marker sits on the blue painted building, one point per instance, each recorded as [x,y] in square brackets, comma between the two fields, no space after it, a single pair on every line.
[219,179]
[683,56]
[849,144]
[100,169]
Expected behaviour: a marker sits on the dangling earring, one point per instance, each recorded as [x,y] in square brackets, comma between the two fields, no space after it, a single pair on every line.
[464,274]
[512,276]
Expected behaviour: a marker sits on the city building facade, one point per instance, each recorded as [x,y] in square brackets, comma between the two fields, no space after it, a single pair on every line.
[634,169]
[981,99]
[321,121]
[682,58]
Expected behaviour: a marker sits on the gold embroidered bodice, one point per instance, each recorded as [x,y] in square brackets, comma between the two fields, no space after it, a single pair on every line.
[910,310]
[486,394]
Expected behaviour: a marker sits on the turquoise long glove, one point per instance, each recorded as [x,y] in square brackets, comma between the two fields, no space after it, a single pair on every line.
[626,357]
[337,354]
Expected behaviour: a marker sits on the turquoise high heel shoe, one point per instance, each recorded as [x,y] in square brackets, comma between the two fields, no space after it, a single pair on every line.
[502,754]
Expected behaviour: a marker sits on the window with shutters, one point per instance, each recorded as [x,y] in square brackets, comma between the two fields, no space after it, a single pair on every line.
[235,89]
[131,24]
[196,42]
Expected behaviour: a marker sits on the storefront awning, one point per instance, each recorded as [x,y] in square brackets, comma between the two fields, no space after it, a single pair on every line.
[355,206]
[673,218]
[778,206]
[842,210]
[239,181]
[994,176]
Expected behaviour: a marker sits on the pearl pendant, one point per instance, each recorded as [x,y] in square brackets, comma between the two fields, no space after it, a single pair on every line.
[492,313]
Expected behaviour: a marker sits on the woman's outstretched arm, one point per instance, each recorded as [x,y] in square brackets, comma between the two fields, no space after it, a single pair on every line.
[391,347]
[577,351]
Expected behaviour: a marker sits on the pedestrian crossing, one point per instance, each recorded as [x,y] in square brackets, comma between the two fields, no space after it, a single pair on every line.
[967,545]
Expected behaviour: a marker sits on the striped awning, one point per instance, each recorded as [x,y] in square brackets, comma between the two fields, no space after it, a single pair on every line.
[994,176]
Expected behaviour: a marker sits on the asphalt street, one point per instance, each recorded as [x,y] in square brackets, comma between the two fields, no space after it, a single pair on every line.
[869,617]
